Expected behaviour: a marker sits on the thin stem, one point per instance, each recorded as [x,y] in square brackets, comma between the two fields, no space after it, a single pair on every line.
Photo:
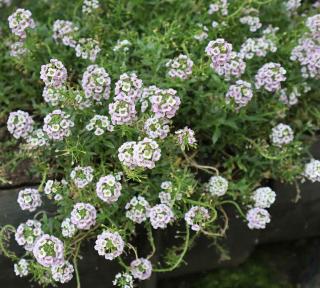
[151,241]
[5,251]
[75,264]
[205,168]
[235,205]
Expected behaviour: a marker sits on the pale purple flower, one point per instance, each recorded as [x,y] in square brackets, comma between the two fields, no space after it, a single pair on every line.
[68,229]
[141,268]
[99,123]
[157,127]
[258,47]
[83,216]
[240,92]
[291,98]
[270,76]
[180,67]
[128,88]
[160,216]
[125,154]
[281,134]
[54,189]
[197,217]
[20,124]
[146,153]
[165,198]
[17,49]
[219,51]
[87,48]
[219,6]
[108,189]
[19,21]
[109,244]
[53,74]
[313,23]
[252,21]
[82,176]
[258,218]
[137,209]
[54,95]
[122,112]
[147,94]
[201,33]
[29,199]
[4,3]
[27,233]
[186,137]
[65,31]
[62,272]
[292,6]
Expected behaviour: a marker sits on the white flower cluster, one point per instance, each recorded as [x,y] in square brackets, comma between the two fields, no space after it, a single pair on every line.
[57,125]
[220,6]
[258,218]
[128,88]
[257,47]
[54,189]
[65,31]
[27,233]
[122,45]
[197,217]
[109,244]
[54,95]
[89,6]
[141,268]
[21,268]
[96,83]
[83,216]
[270,76]
[217,186]
[82,176]
[157,127]
[17,49]
[36,139]
[186,137]
[281,134]
[165,198]
[180,67]
[20,124]
[137,209]
[123,280]
[87,48]
[291,98]
[263,197]
[201,33]
[252,21]
[292,6]
[5,3]
[108,188]
[62,272]
[20,21]
[312,170]
[241,93]
[68,229]
[53,74]
[99,123]
[29,199]
[160,216]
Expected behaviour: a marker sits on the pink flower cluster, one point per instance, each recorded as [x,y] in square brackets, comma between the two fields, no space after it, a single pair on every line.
[157,127]
[99,123]
[128,88]
[20,124]
[186,137]
[109,244]
[20,21]
[49,251]
[82,176]
[257,47]
[270,76]
[87,48]
[160,216]
[291,98]
[27,234]
[139,154]
[29,199]
[281,134]
[96,83]
[137,209]
[17,49]
[83,216]
[122,112]
[53,74]
[54,96]
[258,218]
[108,189]
[65,31]
[225,62]
[197,217]
[292,6]
[180,67]
[313,23]
[57,125]
[141,268]
[240,92]
[36,139]
[62,272]
[165,103]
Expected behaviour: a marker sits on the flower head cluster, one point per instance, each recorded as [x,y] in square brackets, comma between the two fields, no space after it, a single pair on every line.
[225,62]
[48,250]
[17,49]
[292,6]
[21,268]
[240,92]
[82,176]
[147,94]
[257,47]
[263,197]
[54,189]
[270,76]
[313,23]
[5,3]
[146,153]
[122,45]
[137,209]
[281,135]
[258,218]
[62,272]
[29,199]
[96,83]
[186,137]
[125,154]
[252,21]
[67,228]
[53,74]
[160,216]
[89,6]
[65,31]
[57,125]
[122,112]
[197,217]
[312,170]
[141,268]
[36,139]
[166,185]
[123,280]
[108,189]
[20,124]
[109,244]
[87,48]
[220,6]
[165,198]
[83,216]
[53,95]
[19,21]
[202,32]
[291,98]
[128,88]
[27,233]
[217,186]
[180,67]
[157,127]
[165,103]
[99,123]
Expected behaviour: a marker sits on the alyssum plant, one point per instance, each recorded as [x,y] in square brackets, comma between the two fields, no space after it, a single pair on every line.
[112,159]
